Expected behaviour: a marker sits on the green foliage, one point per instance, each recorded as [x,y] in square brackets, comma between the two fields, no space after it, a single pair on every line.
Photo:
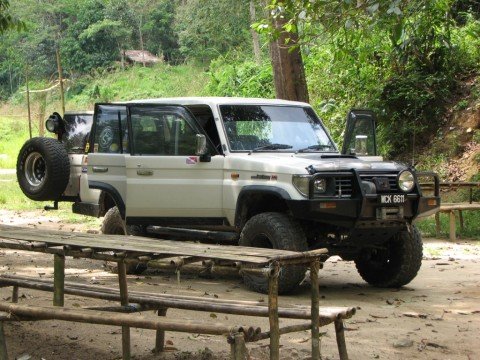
[210,28]
[137,82]
[243,79]
[7,21]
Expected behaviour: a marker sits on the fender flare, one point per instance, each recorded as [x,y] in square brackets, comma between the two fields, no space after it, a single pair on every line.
[257,189]
[110,190]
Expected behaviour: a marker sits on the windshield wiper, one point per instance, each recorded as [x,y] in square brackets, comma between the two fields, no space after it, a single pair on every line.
[315,147]
[272,147]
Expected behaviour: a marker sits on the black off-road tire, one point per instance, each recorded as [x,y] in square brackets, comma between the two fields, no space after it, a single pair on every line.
[113,225]
[397,265]
[277,231]
[43,169]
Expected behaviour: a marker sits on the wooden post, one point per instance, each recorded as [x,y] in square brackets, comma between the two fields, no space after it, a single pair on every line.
[239,347]
[60,78]
[3,344]
[315,309]
[58,280]
[453,236]
[160,336]
[273,313]
[15,294]
[28,104]
[342,347]
[437,224]
[122,282]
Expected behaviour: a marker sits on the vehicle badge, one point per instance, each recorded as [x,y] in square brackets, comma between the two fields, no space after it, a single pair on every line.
[191,160]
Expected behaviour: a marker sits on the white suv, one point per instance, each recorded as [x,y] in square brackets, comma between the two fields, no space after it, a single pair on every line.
[258,172]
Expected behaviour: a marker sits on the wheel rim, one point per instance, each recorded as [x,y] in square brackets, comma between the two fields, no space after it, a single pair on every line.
[35,169]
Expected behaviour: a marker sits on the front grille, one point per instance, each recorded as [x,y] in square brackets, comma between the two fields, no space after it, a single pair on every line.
[343,186]
[392,179]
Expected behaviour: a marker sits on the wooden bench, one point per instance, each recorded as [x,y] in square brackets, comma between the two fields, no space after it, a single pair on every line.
[125,250]
[450,209]
[161,302]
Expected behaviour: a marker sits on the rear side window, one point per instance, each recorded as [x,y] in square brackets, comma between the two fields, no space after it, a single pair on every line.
[160,131]
[111,134]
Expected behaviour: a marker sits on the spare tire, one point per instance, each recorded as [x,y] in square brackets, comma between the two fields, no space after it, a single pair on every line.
[43,169]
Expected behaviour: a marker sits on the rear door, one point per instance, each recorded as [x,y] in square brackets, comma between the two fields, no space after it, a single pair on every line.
[108,146]
[166,181]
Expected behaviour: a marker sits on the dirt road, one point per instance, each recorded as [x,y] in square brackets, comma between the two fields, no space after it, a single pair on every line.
[436,317]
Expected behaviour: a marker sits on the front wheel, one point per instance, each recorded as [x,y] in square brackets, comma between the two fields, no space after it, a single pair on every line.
[394,265]
[113,225]
[275,231]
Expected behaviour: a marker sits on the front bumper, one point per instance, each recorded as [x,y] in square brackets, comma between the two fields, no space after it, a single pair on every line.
[359,209]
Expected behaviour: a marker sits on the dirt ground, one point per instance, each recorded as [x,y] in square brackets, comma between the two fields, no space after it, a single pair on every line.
[437,316]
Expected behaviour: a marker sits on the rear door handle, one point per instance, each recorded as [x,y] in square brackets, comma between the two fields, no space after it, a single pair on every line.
[145,172]
[99,169]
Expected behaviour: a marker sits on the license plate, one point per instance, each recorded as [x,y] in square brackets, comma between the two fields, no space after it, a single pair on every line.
[393,199]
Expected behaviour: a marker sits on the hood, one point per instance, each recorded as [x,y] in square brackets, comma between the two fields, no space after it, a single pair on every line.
[308,163]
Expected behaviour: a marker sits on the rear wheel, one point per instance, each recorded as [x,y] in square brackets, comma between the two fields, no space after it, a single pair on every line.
[394,265]
[113,225]
[275,231]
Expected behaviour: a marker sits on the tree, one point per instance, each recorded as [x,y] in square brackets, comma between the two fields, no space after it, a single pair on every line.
[7,21]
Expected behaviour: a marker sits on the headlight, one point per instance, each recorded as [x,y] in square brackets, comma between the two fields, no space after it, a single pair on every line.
[406,181]
[320,185]
[51,125]
[301,183]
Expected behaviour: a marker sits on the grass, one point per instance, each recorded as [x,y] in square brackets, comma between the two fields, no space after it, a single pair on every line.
[12,198]
[13,133]
[471,221]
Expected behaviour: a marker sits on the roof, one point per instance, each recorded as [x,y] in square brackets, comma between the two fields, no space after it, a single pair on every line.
[213,101]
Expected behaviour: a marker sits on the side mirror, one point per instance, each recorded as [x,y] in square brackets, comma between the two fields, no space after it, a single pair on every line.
[202,149]
[360,137]
[201,145]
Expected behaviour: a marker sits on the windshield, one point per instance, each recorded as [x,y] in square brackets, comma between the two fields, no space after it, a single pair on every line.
[274,128]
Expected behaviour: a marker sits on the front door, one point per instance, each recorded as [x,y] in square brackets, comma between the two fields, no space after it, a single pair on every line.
[166,181]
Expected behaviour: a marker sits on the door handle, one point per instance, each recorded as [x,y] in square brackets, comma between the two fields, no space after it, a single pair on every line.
[145,172]
[99,169]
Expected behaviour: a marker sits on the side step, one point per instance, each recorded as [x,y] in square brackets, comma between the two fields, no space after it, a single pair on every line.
[205,236]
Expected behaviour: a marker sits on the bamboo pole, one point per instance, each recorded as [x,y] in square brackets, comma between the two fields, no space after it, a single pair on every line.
[60,78]
[28,103]
[3,344]
[160,335]
[315,308]
[342,347]
[58,280]
[284,330]
[122,282]
[273,313]
[235,307]
[116,319]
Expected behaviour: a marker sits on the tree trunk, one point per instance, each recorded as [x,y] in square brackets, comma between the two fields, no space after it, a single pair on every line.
[255,38]
[141,40]
[288,69]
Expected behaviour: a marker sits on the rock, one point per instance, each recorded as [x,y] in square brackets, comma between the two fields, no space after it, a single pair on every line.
[403,343]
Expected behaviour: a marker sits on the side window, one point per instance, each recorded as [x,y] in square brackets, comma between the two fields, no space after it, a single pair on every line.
[111,134]
[157,131]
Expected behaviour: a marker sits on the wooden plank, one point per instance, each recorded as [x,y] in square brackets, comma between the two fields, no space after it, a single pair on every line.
[116,319]
[446,207]
[119,243]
